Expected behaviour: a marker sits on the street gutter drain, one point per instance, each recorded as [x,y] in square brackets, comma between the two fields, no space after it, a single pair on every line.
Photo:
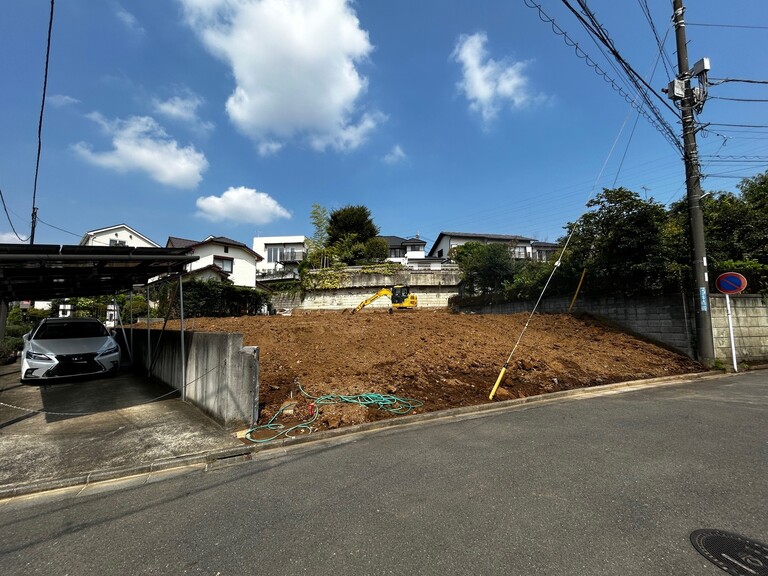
[733,553]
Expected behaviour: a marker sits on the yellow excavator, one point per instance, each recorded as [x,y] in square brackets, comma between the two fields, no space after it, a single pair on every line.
[400,296]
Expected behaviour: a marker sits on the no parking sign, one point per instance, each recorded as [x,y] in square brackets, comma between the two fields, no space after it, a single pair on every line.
[731,283]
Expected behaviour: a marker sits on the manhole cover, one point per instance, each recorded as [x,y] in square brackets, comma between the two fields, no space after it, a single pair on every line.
[733,553]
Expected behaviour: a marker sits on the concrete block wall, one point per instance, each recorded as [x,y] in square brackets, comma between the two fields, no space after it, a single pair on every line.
[222,376]
[749,315]
[664,319]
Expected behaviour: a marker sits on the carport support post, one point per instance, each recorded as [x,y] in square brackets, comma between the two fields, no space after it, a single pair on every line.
[183,349]
[149,339]
[3,317]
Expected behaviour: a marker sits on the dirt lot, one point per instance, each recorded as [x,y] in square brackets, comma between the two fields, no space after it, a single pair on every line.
[439,358]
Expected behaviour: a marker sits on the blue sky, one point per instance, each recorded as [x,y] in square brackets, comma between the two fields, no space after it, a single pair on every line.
[192,118]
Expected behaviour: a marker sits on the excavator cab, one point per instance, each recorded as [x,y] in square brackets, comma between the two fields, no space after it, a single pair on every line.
[400,294]
[402,298]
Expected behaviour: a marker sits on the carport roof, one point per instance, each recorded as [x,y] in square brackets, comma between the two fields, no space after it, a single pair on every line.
[47,271]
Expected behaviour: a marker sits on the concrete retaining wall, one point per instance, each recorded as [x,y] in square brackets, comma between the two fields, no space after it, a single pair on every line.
[670,320]
[222,376]
[663,319]
[433,288]
[749,315]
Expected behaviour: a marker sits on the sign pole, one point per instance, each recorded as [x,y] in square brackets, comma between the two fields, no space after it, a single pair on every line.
[730,331]
[731,283]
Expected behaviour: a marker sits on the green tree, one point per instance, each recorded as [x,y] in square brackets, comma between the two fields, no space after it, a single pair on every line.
[349,220]
[376,249]
[485,267]
[622,244]
[318,253]
[736,231]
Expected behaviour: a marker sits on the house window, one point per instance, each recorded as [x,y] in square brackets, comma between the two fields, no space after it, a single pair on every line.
[440,253]
[226,249]
[113,242]
[519,252]
[223,263]
[273,254]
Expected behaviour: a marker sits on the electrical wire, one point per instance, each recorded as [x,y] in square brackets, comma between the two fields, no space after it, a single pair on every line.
[589,21]
[718,81]
[660,43]
[40,124]
[763,100]
[726,26]
[7,215]
[662,127]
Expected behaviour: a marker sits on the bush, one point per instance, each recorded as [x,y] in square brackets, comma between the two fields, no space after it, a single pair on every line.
[9,346]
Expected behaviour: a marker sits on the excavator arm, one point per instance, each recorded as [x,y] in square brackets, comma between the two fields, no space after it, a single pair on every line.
[383,292]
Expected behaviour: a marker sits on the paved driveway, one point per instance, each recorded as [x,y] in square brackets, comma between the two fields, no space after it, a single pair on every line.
[67,431]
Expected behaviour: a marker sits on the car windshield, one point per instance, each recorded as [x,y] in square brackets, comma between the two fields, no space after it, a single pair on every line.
[64,330]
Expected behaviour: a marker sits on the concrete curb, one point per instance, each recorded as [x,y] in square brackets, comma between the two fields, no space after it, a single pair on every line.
[210,458]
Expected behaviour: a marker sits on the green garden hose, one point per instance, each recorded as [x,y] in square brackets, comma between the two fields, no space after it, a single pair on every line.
[387,402]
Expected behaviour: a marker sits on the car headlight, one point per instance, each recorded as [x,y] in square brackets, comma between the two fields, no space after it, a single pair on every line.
[111,350]
[37,356]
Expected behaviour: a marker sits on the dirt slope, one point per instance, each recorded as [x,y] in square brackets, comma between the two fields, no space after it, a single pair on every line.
[442,359]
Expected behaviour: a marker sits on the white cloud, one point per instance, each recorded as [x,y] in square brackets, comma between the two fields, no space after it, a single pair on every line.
[269,147]
[241,204]
[395,155]
[61,100]
[489,84]
[10,238]
[294,64]
[183,109]
[141,144]
[129,20]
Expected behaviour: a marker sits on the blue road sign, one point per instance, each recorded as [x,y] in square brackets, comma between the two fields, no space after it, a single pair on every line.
[731,283]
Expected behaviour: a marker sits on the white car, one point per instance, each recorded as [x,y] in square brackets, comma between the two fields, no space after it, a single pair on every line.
[63,347]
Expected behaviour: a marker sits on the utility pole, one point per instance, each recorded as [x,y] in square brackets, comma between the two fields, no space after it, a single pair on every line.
[690,100]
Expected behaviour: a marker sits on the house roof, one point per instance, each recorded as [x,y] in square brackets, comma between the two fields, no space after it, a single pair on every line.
[85,237]
[175,242]
[397,241]
[211,267]
[479,238]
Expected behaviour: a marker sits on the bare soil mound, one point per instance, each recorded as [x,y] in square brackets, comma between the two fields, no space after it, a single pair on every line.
[439,358]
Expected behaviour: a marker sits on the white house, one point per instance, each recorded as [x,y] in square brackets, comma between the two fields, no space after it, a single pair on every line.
[521,247]
[117,235]
[219,254]
[280,253]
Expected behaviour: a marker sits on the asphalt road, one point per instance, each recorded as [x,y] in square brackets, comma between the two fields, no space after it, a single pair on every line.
[610,484]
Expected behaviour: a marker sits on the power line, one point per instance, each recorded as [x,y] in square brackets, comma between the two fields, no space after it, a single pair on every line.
[40,126]
[660,43]
[739,99]
[739,125]
[718,81]
[727,26]
[59,229]
[661,127]
[7,215]
[601,34]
